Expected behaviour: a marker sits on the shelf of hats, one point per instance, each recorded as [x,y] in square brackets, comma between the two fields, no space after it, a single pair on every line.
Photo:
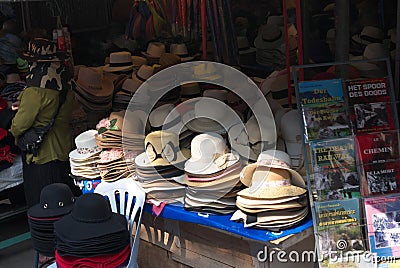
[350,132]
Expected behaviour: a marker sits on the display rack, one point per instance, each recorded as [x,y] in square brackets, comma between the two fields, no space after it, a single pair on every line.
[331,149]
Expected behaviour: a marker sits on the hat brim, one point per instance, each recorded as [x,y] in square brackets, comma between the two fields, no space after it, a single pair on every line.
[59,56]
[108,69]
[357,38]
[275,192]
[75,155]
[259,43]
[197,125]
[246,175]
[69,229]
[37,211]
[196,166]
[107,88]
[143,161]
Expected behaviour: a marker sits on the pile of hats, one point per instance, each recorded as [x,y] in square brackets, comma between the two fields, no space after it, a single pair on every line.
[212,175]
[94,90]
[92,235]
[83,160]
[159,168]
[114,164]
[270,44]
[56,201]
[110,131]
[124,95]
[276,198]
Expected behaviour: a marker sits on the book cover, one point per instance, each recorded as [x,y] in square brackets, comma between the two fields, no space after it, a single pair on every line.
[372,117]
[377,147]
[367,90]
[381,178]
[383,225]
[333,154]
[339,229]
[321,92]
[325,123]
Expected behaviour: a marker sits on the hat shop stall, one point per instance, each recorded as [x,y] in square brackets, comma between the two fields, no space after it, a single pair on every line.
[222,121]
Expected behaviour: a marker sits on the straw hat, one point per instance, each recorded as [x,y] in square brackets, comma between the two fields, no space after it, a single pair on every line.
[244,45]
[269,37]
[190,90]
[368,35]
[119,61]
[168,59]
[209,155]
[94,82]
[138,61]
[85,145]
[142,74]
[181,51]
[206,71]
[165,117]
[162,149]
[154,50]
[272,183]
[272,159]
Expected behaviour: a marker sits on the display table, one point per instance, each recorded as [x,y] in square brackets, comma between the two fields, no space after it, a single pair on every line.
[178,238]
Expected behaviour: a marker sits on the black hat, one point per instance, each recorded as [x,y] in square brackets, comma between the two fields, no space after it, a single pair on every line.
[43,50]
[55,200]
[90,217]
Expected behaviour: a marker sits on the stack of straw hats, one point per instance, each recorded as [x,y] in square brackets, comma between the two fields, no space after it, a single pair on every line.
[130,86]
[56,201]
[92,235]
[159,168]
[110,131]
[212,175]
[94,90]
[276,197]
[83,160]
[115,164]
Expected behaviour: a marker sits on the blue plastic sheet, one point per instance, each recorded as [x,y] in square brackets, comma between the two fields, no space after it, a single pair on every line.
[223,222]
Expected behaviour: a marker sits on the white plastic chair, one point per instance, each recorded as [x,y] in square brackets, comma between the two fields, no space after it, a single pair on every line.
[130,205]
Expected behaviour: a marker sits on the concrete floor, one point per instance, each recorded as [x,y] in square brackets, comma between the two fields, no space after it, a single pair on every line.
[22,254]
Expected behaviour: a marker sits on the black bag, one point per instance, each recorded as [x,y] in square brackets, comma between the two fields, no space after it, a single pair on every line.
[30,141]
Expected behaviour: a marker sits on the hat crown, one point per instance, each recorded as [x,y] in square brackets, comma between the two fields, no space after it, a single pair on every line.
[159,141]
[179,49]
[130,85]
[169,59]
[119,116]
[155,49]
[91,207]
[375,50]
[89,77]
[275,20]
[121,57]
[206,146]
[56,195]
[219,94]
[242,42]
[372,32]
[42,47]
[138,61]
[280,157]
[160,114]
[190,88]
[86,141]
[144,72]
[290,129]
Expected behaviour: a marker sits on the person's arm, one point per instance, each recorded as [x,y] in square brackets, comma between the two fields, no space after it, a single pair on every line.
[28,110]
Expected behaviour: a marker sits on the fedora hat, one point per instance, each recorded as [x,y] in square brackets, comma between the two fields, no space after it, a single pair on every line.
[91,217]
[190,90]
[119,62]
[272,159]
[161,149]
[209,155]
[275,20]
[269,37]
[181,51]
[165,117]
[142,74]
[270,183]
[247,139]
[210,115]
[154,50]
[244,46]
[94,82]
[368,35]
[167,60]
[129,86]
[43,50]
[138,61]
[85,145]
[56,199]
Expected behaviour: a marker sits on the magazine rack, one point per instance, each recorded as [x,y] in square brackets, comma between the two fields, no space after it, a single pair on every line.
[350,135]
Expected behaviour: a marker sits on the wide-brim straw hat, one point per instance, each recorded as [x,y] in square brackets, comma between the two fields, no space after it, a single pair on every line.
[272,183]
[85,146]
[272,159]
[119,62]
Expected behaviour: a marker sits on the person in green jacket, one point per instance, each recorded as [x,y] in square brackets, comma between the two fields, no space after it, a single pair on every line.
[48,77]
